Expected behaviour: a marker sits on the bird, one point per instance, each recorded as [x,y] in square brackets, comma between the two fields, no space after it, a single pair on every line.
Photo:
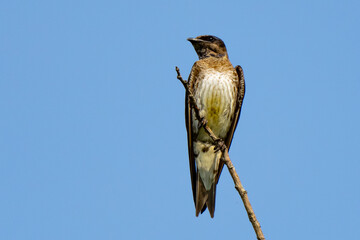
[218,89]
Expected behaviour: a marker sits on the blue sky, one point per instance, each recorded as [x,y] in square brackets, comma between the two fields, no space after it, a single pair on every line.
[92,132]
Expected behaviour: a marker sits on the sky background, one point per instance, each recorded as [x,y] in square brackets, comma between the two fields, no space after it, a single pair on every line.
[92,132]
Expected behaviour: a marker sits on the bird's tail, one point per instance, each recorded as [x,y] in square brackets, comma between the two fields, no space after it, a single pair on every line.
[204,198]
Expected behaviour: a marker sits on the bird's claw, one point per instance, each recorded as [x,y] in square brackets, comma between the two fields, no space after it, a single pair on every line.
[219,145]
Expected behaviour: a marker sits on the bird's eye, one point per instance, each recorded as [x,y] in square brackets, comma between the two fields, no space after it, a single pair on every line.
[208,38]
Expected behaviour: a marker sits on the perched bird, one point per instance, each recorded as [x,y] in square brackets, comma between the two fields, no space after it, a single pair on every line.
[218,89]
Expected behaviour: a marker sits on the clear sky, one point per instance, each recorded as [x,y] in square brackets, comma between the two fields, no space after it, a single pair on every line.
[92,133]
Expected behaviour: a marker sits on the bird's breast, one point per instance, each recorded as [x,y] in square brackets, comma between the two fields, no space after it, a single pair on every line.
[215,95]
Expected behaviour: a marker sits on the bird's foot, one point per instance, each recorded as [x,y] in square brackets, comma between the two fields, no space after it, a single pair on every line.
[202,122]
[219,145]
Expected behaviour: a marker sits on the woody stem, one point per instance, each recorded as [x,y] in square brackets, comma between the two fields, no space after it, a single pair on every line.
[226,158]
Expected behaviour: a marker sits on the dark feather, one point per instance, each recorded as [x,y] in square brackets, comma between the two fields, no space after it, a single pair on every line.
[203,198]
[240,98]
[190,143]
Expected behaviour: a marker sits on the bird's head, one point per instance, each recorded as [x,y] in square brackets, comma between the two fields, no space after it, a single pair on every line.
[208,46]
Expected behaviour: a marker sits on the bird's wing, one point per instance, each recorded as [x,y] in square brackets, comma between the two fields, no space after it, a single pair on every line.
[239,101]
[188,116]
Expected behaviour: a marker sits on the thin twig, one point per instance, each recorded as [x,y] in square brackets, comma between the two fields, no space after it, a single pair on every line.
[193,105]
[226,158]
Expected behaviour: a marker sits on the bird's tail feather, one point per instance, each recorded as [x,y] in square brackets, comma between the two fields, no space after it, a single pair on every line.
[204,198]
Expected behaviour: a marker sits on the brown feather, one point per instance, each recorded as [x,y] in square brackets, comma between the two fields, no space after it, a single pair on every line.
[240,98]
[188,118]
[190,147]
[210,202]
[202,198]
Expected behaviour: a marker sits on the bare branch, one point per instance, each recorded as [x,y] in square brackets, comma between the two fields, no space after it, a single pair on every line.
[225,154]
[193,105]
[243,194]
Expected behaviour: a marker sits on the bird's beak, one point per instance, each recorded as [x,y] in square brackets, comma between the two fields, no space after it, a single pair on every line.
[193,40]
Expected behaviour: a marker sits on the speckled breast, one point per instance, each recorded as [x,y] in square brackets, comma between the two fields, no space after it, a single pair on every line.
[215,96]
